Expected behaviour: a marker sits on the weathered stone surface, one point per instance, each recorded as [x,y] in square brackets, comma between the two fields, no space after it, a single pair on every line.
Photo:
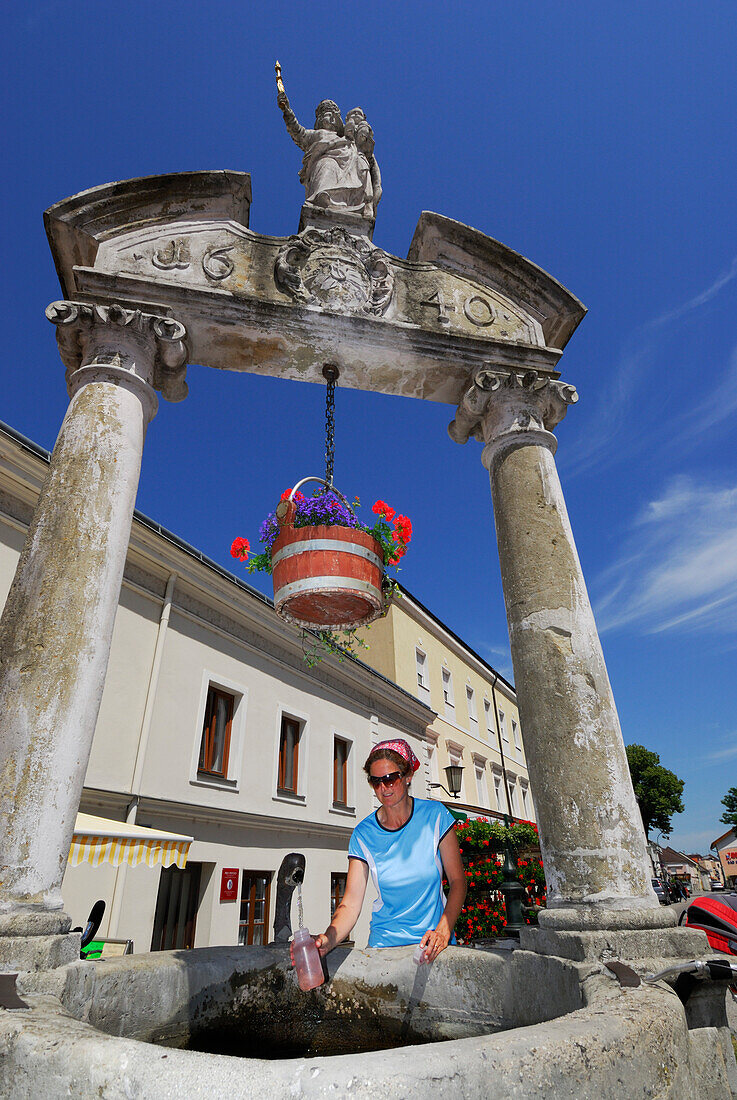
[339,170]
[29,952]
[439,324]
[591,832]
[616,1043]
[58,619]
[457,247]
[76,226]
[595,919]
[621,943]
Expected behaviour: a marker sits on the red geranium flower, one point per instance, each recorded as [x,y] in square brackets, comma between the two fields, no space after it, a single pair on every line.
[382,509]
[240,548]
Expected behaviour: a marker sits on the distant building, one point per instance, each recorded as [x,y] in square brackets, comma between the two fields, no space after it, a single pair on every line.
[682,867]
[726,848]
[212,726]
[476,724]
[709,868]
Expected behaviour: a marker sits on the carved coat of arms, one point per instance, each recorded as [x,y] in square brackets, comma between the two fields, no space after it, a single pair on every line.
[335,270]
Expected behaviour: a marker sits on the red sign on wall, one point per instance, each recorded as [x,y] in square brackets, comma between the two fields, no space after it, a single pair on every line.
[229,884]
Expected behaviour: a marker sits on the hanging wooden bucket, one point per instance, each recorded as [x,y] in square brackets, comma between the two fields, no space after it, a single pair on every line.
[327,578]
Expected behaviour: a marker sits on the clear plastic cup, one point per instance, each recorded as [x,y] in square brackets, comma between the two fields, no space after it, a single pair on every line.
[307,961]
[419,956]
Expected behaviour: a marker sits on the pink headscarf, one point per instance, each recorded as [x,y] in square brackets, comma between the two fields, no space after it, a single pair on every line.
[402,748]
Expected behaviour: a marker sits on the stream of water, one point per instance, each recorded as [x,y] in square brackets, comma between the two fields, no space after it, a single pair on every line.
[300,914]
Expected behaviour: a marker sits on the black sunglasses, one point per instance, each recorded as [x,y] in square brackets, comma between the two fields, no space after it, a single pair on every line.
[388,780]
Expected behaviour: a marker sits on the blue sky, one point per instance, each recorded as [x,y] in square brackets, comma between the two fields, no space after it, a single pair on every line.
[596,139]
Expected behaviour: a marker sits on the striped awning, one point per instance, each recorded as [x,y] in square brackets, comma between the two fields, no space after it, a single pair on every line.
[97,840]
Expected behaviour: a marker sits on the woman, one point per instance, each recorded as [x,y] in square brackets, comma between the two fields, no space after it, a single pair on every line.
[406,844]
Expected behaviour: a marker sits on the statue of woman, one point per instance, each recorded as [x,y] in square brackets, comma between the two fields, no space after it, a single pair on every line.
[336,173]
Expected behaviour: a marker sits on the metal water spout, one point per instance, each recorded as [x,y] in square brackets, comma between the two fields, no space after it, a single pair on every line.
[291,874]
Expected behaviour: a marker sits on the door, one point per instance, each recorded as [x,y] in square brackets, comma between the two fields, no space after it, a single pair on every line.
[176,908]
[254,922]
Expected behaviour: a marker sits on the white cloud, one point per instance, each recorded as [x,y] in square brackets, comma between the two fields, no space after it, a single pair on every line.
[643,351]
[727,753]
[678,568]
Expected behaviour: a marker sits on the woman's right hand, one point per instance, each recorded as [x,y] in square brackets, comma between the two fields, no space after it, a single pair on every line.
[322,942]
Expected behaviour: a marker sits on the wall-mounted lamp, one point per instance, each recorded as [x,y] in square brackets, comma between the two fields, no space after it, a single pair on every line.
[454,775]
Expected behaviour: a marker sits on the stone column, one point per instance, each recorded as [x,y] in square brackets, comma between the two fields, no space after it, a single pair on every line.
[56,629]
[590,828]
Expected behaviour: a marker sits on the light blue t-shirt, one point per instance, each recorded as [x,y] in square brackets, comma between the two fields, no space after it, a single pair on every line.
[407,872]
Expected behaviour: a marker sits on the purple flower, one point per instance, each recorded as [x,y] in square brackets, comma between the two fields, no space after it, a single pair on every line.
[325,509]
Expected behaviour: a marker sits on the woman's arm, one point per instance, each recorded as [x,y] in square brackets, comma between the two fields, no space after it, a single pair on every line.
[349,910]
[435,941]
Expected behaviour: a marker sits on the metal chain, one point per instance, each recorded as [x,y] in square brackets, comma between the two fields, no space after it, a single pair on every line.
[331,374]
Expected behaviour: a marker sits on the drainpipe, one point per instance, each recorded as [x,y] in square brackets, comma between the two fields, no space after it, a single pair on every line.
[499,740]
[148,711]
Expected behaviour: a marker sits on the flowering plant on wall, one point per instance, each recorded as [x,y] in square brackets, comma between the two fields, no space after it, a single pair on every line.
[393,532]
[483,915]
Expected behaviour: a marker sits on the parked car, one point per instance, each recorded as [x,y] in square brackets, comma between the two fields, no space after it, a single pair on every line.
[660,891]
[717,884]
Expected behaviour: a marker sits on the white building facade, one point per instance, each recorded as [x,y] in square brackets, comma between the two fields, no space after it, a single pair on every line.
[212,726]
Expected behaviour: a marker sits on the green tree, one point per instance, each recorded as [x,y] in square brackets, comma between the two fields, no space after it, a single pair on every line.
[658,791]
[729,817]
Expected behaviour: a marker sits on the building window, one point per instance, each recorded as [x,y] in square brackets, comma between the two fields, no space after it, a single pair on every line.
[512,788]
[253,927]
[448,691]
[483,797]
[471,700]
[337,890]
[289,755]
[341,748]
[432,759]
[215,743]
[525,803]
[498,792]
[503,728]
[488,718]
[423,680]
[516,737]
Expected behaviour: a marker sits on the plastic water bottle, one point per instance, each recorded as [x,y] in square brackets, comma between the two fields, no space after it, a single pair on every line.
[307,961]
[419,956]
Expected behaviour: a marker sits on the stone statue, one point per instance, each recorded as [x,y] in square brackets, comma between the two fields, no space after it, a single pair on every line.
[339,170]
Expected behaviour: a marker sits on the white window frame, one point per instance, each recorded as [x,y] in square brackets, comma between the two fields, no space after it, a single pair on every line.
[498,778]
[348,810]
[524,792]
[423,675]
[473,717]
[512,787]
[482,786]
[489,718]
[448,697]
[231,781]
[516,736]
[432,770]
[503,727]
[300,798]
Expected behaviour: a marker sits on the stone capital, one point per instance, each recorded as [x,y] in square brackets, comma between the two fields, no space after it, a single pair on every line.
[511,409]
[123,344]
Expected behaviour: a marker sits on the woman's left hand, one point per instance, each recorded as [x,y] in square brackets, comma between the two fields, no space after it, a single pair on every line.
[434,941]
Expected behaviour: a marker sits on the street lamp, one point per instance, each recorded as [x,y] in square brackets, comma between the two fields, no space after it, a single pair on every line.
[454,775]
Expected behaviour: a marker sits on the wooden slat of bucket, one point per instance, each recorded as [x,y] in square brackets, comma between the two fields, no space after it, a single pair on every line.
[305,588]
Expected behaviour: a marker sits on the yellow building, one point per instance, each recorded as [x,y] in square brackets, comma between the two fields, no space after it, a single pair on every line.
[477,722]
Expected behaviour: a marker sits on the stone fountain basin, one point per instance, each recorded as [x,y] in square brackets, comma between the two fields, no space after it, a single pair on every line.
[492,1023]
